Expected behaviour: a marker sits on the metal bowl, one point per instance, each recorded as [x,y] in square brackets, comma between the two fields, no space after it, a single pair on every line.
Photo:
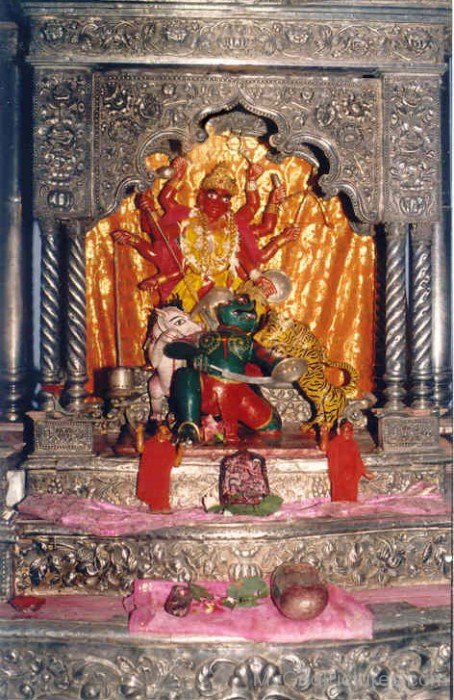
[297,591]
[121,382]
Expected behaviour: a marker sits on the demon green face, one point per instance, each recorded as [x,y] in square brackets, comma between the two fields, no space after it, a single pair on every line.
[238,313]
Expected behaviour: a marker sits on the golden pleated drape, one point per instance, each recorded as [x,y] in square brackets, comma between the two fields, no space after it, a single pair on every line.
[332,268]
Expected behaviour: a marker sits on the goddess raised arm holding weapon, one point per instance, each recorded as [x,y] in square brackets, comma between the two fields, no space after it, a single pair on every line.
[209,245]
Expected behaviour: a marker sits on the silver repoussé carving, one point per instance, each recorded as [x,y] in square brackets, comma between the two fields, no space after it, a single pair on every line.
[264,39]
[89,668]
[138,112]
[412,148]
[398,556]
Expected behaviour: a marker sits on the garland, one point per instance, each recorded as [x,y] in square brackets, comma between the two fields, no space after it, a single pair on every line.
[201,254]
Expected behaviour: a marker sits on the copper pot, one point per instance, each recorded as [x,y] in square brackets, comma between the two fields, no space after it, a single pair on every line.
[297,591]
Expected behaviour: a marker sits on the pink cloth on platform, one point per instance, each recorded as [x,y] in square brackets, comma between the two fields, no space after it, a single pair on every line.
[433,596]
[343,618]
[71,607]
[99,608]
[102,518]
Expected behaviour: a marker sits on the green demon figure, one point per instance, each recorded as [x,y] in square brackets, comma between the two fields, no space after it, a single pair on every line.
[221,371]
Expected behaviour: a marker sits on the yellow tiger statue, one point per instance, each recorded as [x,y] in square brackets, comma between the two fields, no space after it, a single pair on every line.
[290,338]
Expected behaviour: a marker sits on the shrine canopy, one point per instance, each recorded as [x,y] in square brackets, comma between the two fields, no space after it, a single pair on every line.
[332,268]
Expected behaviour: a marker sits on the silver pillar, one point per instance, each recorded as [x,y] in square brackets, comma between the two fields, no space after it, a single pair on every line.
[441,317]
[396,317]
[421,316]
[51,305]
[15,250]
[76,338]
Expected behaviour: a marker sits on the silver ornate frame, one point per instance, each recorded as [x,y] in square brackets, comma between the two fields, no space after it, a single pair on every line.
[362,83]
[112,84]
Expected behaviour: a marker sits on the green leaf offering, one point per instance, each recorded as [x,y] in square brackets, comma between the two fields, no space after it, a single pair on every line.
[247,592]
[267,506]
[199,592]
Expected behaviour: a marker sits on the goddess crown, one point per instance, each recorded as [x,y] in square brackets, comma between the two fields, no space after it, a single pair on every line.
[219,179]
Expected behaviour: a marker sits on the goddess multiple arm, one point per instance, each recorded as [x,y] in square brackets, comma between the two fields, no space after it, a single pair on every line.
[193,249]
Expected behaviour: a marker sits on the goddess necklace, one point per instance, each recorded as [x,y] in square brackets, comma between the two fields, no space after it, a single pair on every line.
[202,254]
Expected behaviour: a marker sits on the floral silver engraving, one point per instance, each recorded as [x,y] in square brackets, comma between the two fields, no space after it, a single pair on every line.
[62,143]
[352,555]
[339,116]
[85,667]
[412,148]
[261,39]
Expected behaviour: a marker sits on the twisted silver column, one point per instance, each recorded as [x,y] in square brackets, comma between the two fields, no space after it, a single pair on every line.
[441,316]
[51,303]
[396,317]
[421,317]
[76,336]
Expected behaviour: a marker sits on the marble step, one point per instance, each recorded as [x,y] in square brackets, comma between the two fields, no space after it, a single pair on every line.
[408,657]
[362,552]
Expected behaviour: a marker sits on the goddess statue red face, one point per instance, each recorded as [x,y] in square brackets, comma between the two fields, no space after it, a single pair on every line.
[214,203]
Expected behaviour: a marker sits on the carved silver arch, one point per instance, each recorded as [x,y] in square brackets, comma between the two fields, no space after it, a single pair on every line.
[249,122]
[194,132]
[137,111]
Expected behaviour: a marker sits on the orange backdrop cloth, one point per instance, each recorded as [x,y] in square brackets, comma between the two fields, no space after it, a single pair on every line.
[332,268]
